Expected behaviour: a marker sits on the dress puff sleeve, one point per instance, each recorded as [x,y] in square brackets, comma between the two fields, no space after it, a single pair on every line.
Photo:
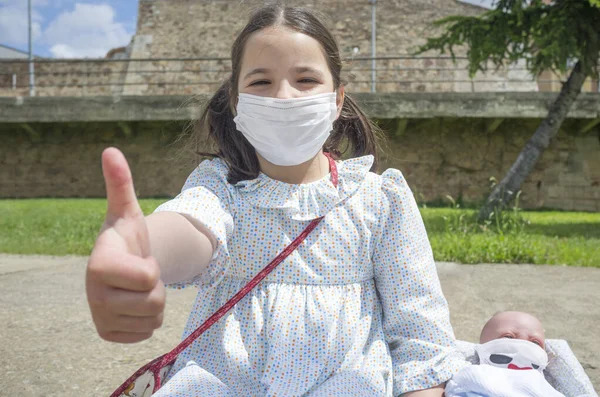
[416,320]
[209,198]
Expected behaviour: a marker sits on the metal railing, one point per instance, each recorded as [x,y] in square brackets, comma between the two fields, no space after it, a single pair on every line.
[188,76]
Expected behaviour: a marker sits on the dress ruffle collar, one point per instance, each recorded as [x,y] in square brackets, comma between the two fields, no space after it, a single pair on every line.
[310,200]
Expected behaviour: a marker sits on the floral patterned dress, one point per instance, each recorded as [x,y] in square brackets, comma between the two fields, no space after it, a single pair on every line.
[356,310]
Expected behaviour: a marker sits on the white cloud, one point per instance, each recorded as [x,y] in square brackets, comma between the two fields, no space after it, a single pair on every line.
[14,22]
[64,51]
[89,30]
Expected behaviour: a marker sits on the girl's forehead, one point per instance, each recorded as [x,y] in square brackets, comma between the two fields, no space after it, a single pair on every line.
[281,47]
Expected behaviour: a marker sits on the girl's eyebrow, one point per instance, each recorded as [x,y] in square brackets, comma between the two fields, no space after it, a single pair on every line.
[304,69]
[256,71]
[299,69]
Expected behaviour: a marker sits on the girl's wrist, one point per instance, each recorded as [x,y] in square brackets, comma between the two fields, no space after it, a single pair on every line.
[437,391]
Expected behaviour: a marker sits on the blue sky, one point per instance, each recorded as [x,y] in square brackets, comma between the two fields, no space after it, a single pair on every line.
[76,28]
[69,28]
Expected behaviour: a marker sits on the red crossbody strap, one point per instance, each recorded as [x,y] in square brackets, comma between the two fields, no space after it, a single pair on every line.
[168,358]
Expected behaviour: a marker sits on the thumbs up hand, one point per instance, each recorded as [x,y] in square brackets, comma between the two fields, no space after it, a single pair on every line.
[124,290]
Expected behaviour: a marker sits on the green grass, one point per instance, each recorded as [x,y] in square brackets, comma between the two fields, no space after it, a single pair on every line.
[557,238]
[69,227]
[54,226]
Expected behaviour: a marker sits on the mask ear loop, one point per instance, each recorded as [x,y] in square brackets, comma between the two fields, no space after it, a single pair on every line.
[340,92]
[232,106]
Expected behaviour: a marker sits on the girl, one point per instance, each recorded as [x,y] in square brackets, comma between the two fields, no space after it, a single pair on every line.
[355,310]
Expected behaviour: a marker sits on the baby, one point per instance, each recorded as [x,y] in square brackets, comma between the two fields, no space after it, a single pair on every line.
[518,327]
[509,341]
[513,325]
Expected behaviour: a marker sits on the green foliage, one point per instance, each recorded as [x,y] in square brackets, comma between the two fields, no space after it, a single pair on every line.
[499,223]
[546,36]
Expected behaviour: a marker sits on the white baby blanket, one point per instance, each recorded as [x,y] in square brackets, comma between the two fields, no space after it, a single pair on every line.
[564,372]
[489,381]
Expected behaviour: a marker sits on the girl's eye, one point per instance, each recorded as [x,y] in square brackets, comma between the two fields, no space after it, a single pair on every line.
[508,336]
[308,81]
[260,82]
[537,342]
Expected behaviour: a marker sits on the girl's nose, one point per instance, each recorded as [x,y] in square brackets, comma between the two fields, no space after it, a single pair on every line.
[283,91]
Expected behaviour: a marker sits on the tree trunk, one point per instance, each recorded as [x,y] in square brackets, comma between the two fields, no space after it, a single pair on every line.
[505,191]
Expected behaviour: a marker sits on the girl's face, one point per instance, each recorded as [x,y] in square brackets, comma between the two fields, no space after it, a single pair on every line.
[282,63]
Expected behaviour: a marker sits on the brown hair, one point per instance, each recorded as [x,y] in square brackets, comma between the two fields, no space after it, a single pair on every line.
[351,131]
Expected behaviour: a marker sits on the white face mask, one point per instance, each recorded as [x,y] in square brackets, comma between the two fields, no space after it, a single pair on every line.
[286,131]
[512,354]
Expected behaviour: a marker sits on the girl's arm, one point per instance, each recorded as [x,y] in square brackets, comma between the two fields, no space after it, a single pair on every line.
[416,319]
[181,245]
[189,234]
[123,280]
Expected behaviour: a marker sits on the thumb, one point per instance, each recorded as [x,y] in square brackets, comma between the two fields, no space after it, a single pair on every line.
[120,195]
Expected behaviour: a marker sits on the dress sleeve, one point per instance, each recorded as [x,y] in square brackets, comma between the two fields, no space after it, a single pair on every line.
[209,198]
[415,312]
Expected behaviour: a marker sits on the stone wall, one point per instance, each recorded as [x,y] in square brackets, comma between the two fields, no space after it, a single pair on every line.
[457,157]
[63,78]
[63,159]
[439,157]
[189,28]
[184,29]
[207,28]
[193,76]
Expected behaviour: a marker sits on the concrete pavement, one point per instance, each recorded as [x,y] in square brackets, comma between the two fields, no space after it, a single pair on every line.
[50,347]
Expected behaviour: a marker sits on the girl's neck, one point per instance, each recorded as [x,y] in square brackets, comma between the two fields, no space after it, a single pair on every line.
[307,172]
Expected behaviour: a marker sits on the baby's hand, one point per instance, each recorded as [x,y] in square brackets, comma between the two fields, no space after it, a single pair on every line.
[124,290]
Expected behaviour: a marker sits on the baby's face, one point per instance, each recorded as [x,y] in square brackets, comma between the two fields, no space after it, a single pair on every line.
[514,325]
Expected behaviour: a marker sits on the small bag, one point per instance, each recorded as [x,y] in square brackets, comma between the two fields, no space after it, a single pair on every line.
[147,380]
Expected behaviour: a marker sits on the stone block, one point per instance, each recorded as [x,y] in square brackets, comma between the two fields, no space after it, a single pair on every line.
[585,205]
